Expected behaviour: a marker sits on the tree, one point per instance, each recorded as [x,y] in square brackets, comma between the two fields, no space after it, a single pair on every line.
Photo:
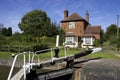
[1,27]
[16,37]
[103,36]
[62,35]
[35,23]
[111,31]
[6,32]
[53,29]
[2,40]
[9,31]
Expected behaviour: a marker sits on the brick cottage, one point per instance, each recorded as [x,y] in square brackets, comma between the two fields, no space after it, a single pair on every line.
[79,32]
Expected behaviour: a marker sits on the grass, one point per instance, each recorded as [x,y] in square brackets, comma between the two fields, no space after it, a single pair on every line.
[104,55]
[46,55]
[5,55]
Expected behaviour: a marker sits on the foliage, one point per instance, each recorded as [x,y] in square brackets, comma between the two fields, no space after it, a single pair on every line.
[103,36]
[113,39]
[61,35]
[118,43]
[53,30]
[1,27]
[35,23]
[9,31]
[111,31]
[111,35]
[2,40]
[36,29]
[6,32]
[16,36]
[96,43]
[39,47]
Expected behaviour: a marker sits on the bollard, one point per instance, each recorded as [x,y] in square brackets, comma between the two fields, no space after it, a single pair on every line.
[70,64]
[56,52]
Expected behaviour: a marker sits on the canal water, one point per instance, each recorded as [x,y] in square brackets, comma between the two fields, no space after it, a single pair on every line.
[4,71]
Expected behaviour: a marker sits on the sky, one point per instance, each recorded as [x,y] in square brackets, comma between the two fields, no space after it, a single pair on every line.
[101,12]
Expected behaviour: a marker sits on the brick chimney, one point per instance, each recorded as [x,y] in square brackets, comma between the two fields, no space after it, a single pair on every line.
[65,14]
[87,16]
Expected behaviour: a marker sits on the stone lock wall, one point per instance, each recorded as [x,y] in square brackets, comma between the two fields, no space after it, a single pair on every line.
[101,70]
[8,62]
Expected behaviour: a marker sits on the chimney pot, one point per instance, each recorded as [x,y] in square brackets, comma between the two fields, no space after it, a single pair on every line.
[65,14]
[87,16]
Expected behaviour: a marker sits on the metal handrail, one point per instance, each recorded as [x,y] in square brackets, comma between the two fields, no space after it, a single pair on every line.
[31,60]
[13,64]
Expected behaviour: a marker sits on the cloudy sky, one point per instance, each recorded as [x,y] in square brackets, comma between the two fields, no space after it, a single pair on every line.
[102,12]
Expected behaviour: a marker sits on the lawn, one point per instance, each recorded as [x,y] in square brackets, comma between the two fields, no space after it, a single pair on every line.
[103,55]
[47,55]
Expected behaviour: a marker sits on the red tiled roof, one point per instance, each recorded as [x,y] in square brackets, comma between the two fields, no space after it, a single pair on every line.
[72,17]
[93,30]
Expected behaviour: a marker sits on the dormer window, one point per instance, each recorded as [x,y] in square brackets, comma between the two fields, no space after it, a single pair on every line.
[71,25]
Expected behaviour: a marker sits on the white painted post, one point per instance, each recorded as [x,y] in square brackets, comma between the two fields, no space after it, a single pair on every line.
[57,40]
[91,41]
[84,40]
[32,59]
[24,67]
[65,52]
[29,60]
[51,55]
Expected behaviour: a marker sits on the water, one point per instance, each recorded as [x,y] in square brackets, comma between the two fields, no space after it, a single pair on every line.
[4,71]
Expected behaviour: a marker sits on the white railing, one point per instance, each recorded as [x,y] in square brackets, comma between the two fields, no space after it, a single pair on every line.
[30,62]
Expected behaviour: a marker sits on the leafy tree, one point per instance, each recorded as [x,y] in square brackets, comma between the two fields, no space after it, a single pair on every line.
[1,27]
[111,31]
[61,34]
[111,35]
[53,29]
[6,32]
[27,38]
[35,23]
[2,40]
[9,31]
[16,37]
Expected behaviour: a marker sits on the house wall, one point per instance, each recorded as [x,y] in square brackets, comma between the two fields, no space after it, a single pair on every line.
[97,36]
[78,30]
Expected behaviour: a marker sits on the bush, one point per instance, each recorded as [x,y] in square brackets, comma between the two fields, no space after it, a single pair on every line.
[14,48]
[96,43]
[39,47]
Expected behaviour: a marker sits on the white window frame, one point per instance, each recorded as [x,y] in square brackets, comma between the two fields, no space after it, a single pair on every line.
[71,25]
[88,40]
[72,39]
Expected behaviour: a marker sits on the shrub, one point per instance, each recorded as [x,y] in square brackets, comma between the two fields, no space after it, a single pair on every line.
[39,47]
[96,43]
